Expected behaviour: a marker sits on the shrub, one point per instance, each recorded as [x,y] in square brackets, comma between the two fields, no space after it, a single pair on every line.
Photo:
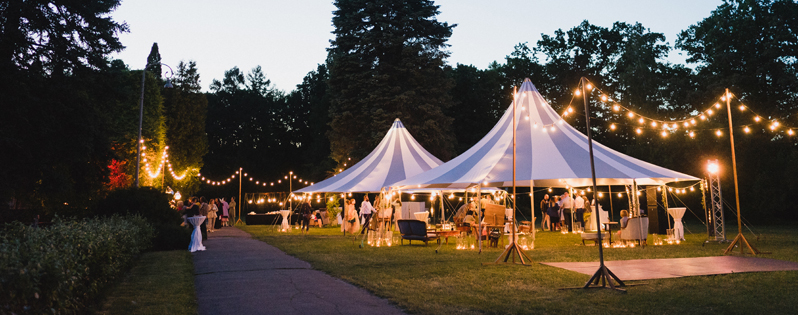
[153,205]
[61,268]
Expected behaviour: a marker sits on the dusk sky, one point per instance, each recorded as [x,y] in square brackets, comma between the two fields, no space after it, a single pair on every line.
[288,38]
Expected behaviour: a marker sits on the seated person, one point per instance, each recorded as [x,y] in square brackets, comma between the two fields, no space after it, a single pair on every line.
[624,221]
[317,218]
[459,217]
[469,219]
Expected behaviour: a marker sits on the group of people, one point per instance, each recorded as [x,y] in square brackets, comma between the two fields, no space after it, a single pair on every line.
[218,212]
[558,210]
[352,221]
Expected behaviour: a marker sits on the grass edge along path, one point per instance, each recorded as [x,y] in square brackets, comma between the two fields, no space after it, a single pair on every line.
[160,282]
[454,282]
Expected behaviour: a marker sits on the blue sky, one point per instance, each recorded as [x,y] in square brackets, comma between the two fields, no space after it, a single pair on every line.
[288,38]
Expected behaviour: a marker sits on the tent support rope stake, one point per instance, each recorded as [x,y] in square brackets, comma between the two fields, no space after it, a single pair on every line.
[603,274]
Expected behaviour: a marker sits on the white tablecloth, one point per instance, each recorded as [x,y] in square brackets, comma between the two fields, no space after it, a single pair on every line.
[285,225]
[422,216]
[196,235]
[678,227]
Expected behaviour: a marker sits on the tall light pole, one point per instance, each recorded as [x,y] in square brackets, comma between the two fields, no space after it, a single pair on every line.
[603,274]
[168,85]
[740,238]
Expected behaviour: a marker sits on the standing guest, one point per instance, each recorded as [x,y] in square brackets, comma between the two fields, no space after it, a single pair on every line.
[181,209]
[225,215]
[554,214]
[203,211]
[217,223]
[579,205]
[212,210]
[306,212]
[565,209]
[545,224]
[232,210]
[366,210]
[353,220]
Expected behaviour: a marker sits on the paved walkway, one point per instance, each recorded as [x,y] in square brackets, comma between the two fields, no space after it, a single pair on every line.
[240,275]
[644,269]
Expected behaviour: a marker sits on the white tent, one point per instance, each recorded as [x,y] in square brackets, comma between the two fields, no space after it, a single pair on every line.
[397,157]
[549,152]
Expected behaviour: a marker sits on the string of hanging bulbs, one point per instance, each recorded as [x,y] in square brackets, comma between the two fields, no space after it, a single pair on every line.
[689,125]
[153,173]
[230,178]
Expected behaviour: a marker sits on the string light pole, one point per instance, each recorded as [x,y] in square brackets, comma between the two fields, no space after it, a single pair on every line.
[740,238]
[240,201]
[603,274]
[139,142]
[513,249]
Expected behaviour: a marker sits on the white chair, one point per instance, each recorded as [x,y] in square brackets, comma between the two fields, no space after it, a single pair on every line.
[636,230]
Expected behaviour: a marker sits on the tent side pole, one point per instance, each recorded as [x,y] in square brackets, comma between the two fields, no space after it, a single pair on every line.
[479,217]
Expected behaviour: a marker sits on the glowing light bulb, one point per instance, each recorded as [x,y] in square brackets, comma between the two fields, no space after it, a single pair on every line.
[616,108]
[612,126]
[757,119]
[589,86]
[604,98]
[692,134]
[549,189]
[619,195]
[703,117]
[790,132]
[631,115]
[639,131]
[709,112]
[641,120]
[664,134]
[717,105]
[686,124]
[601,195]
[746,129]
[742,107]
[570,110]
[718,133]
[578,92]
[692,121]
[654,124]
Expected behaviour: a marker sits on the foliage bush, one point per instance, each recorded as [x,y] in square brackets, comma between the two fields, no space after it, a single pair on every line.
[153,205]
[61,268]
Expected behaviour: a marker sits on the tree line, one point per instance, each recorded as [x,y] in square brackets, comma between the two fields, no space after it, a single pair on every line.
[71,127]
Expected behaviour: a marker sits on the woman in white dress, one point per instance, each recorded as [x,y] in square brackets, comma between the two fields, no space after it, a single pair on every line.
[351,214]
[213,209]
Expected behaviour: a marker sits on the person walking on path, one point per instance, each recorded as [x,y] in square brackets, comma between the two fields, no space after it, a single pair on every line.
[203,211]
[225,214]
[212,210]
[232,210]
[366,210]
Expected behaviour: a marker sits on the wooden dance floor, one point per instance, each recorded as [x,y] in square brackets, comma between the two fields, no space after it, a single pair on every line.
[643,269]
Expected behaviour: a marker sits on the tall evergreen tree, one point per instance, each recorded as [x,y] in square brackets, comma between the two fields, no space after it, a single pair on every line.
[387,62]
[154,61]
[186,111]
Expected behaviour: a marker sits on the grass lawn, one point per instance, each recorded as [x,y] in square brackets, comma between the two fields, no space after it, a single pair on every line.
[455,282]
[159,283]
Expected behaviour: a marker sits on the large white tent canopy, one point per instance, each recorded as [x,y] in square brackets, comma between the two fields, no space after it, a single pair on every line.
[397,157]
[549,152]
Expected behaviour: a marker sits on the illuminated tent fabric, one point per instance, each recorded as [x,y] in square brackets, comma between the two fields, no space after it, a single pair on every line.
[549,152]
[397,157]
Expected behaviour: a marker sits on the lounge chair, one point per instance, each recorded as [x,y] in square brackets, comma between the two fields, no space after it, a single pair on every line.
[415,230]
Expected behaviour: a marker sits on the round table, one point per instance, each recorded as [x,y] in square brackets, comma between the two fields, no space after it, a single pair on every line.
[196,235]
[678,227]
[285,226]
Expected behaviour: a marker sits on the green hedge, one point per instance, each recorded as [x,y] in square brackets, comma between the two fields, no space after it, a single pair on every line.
[153,205]
[61,268]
